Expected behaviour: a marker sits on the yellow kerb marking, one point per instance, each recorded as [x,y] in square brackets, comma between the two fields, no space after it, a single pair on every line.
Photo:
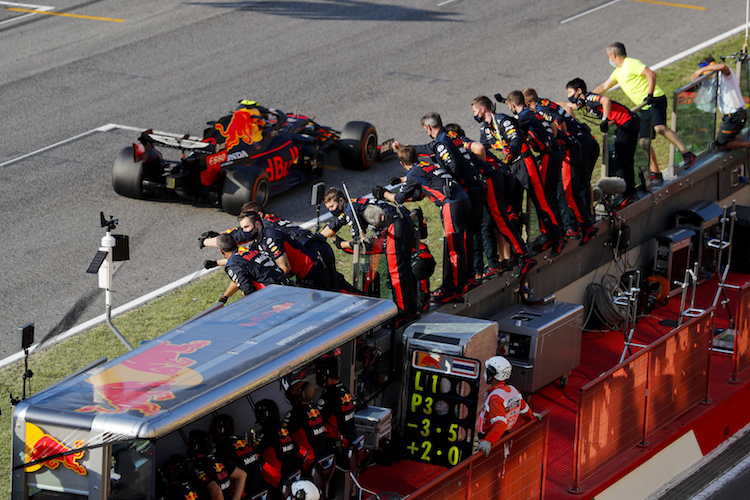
[18,9]
[669,4]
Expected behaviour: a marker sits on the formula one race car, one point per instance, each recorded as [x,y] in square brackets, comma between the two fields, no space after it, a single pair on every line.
[251,154]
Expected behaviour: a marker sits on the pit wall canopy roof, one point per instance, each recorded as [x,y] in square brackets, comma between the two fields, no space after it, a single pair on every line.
[202,365]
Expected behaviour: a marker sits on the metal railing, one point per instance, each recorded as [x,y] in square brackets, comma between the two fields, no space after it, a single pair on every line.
[622,407]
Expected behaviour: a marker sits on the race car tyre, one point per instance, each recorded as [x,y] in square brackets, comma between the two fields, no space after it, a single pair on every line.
[243,184]
[127,175]
[358,146]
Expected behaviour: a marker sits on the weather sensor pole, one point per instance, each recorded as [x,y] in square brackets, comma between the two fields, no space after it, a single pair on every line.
[113,250]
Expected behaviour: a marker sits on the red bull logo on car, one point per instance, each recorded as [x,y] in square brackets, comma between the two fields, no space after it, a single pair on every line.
[245,125]
[139,382]
[39,445]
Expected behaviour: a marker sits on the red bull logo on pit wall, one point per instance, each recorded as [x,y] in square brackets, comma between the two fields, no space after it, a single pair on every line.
[39,445]
[244,125]
[267,314]
[152,375]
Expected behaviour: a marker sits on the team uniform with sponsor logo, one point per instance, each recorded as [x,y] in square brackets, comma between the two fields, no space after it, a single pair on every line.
[336,406]
[399,243]
[208,469]
[500,412]
[455,207]
[573,176]
[504,134]
[302,260]
[306,426]
[277,451]
[252,270]
[626,138]
[241,453]
[448,151]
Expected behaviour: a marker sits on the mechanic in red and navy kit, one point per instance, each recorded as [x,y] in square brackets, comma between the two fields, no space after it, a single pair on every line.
[502,132]
[543,140]
[626,138]
[397,228]
[275,447]
[249,270]
[497,209]
[293,258]
[448,151]
[336,404]
[305,424]
[455,207]
[217,480]
[231,448]
[577,215]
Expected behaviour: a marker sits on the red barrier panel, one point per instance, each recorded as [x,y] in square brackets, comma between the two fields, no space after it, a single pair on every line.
[651,388]
[741,356]
[611,412]
[678,371]
[514,470]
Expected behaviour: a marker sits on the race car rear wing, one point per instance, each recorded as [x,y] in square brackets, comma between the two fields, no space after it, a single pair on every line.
[181,142]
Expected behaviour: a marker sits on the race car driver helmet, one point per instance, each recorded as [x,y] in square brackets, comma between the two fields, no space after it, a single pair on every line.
[422,265]
[497,368]
[304,490]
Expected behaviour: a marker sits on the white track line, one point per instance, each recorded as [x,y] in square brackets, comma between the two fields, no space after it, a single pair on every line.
[41,8]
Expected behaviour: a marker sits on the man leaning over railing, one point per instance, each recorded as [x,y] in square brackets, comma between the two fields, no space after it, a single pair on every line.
[729,101]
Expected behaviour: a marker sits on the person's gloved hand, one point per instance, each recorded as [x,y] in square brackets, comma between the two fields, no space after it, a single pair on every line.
[337,241]
[223,299]
[210,264]
[484,447]
[205,236]
[649,100]
[395,180]
[604,126]
[537,416]
[378,192]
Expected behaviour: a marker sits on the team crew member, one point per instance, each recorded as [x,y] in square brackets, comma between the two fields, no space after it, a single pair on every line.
[626,138]
[638,81]
[542,139]
[495,202]
[730,101]
[276,447]
[217,480]
[447,150]
[573,176]
[395,225]
[502,406]
[293,258]
[250,270]
[502,132]
[176,480]
[454,205]
[305,424]
[239,452]
[336,404]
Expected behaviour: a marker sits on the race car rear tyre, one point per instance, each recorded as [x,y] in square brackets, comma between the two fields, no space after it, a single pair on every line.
[358,146]
[127,175]
[243,184]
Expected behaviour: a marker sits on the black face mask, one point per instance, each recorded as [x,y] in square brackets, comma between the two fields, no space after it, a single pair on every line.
[478,119]
[578,101]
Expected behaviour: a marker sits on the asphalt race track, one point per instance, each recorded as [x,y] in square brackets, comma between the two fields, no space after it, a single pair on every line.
[173,65]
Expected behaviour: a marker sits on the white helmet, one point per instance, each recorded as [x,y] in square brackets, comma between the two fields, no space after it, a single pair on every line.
[305,490]
[498,368]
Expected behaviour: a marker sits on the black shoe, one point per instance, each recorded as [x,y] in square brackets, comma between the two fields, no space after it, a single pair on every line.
[572,234]
[541,244]
[557,248]
[527,263]
[656,177]
[587,235]
[688,159]
[443,296]
[622,200]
